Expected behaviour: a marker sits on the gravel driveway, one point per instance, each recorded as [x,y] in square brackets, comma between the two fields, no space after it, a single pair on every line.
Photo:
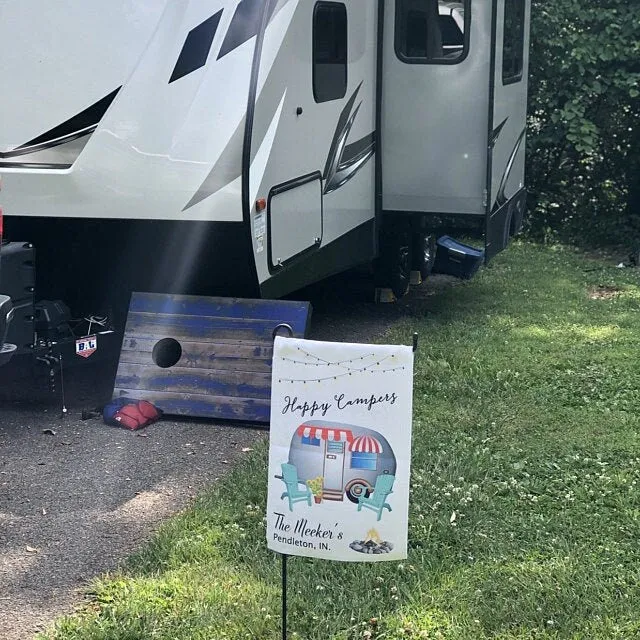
[77,496]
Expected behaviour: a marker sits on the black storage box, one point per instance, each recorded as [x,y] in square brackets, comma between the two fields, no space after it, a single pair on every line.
[18,272]
[22,327]
[457,259]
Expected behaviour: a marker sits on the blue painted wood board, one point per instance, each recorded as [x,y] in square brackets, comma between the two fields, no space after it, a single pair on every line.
[224,369]
[234,308]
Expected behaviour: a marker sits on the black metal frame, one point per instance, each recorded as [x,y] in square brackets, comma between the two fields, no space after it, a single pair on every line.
[248,130]
[436,61]
[320,5]
[515,78]
[278,190]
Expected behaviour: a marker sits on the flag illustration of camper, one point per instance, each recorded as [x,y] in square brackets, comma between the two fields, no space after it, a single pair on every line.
[336,460]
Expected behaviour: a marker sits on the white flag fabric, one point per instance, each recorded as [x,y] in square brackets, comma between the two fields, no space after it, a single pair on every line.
[340,450]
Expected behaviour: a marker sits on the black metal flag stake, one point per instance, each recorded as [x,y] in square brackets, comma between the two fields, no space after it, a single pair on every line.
[284,596]
[289,330]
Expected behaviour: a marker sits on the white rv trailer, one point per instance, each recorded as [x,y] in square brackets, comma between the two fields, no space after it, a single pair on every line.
[189,141]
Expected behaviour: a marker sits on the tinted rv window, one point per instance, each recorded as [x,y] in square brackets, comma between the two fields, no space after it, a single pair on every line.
[432,31]
[513,42]
[329,51]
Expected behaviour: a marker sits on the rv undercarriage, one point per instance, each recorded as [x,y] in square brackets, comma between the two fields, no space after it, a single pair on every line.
[93,265]
[407,246]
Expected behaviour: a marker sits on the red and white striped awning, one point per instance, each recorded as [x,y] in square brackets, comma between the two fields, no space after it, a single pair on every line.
[366,444]
[325,433]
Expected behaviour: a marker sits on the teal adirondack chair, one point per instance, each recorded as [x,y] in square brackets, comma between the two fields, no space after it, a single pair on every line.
[376,502]
[293,492]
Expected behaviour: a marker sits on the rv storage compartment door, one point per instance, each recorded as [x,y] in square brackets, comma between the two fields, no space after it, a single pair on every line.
[295,218]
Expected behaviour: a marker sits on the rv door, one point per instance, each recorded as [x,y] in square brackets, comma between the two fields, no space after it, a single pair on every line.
[507,122]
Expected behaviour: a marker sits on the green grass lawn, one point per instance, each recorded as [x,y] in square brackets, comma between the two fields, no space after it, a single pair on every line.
[526,427]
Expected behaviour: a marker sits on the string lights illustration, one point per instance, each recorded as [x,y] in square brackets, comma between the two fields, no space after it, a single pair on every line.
[337,362]
[343,364]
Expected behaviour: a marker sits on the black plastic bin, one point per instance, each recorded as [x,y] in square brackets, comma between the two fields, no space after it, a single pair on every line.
[18,279]
[457,259]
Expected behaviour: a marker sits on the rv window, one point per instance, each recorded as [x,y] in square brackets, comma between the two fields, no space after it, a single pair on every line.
[513,41]
[432,31]
[364,460]
[314,442]
[329,51]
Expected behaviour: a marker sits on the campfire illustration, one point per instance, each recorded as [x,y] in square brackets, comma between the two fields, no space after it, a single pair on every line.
[372,544]
[373,536]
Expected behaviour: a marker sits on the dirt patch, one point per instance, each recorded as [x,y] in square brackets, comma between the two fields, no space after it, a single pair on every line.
[604,292]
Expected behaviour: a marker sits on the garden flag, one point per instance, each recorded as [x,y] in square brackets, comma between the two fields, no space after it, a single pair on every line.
[340,450]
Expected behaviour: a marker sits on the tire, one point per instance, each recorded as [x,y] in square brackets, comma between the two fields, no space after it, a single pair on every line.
[424,253]
[394,264]
[357,488]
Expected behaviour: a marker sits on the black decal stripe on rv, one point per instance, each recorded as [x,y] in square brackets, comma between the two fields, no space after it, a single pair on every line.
[501,198]
[196,47]
[58,142]
[80,124]
[340,136]
[344,161]
[359,148]
[33,165]
[496,132]
[349,165]
[244,25]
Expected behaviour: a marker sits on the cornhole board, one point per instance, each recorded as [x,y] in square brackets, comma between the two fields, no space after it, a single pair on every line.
[203,356]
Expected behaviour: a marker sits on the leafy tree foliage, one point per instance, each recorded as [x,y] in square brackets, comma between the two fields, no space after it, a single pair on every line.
[584,120]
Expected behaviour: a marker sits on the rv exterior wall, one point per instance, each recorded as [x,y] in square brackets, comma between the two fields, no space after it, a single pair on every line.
[316,100]
[509,113]
[166,149]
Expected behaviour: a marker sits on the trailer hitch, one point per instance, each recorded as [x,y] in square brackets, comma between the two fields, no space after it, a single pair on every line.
[53,362]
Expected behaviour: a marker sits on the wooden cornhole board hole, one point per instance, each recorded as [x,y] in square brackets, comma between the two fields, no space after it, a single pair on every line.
[202,356]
